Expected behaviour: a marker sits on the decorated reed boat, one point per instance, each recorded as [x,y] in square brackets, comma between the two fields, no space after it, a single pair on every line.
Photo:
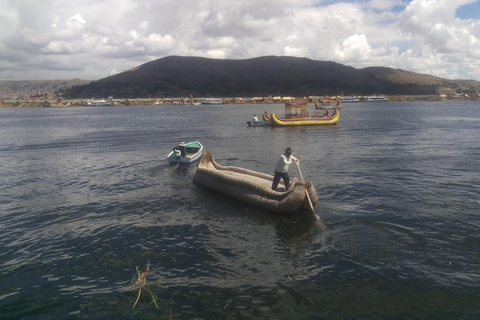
[329,104]
[298,115]
[253,187]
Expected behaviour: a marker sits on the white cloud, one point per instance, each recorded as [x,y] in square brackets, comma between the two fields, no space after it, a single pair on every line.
[158,44]
[354,48]
[77,18]
[216,54]
[91,39]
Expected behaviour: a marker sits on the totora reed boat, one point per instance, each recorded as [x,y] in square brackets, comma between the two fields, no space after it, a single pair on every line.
[297,114]
[252,187]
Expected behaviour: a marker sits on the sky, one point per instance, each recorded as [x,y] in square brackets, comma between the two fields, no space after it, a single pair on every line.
[93,39]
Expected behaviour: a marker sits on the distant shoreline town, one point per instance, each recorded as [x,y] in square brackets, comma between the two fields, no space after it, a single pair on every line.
[59,102]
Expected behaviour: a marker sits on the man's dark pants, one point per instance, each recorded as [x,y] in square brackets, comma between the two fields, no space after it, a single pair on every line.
[277,177]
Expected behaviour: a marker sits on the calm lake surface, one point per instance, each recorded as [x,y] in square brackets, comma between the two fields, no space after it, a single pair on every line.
[87,196]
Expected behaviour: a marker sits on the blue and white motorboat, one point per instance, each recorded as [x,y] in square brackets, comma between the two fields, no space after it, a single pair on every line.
[185,153]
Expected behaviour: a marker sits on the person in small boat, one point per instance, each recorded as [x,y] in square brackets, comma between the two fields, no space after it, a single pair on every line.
[177,152]
[281,169]
[181,147]
[255,119]
[326,114]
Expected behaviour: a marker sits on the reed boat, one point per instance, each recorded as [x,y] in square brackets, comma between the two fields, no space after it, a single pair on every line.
[329,104]
[307,120]
[297,114]
[253,187]
[266,117]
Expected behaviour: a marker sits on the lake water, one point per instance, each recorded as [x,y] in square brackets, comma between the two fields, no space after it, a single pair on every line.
[87,196]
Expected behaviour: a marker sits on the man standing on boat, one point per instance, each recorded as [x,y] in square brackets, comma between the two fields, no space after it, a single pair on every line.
[255,119]
[181,147]
[281,169]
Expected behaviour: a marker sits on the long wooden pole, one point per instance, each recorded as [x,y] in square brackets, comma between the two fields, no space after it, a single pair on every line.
[308,195]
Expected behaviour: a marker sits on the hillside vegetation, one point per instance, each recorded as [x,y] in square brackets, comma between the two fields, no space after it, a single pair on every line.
[176,76]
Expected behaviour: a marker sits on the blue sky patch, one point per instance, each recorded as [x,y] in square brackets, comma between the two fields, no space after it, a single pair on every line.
[469,11]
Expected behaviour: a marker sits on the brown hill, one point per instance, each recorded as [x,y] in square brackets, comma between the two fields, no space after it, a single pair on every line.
[183,76]
[36,88]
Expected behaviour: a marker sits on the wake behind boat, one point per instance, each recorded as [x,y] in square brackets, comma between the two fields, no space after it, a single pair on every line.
[185,153]
[253,187]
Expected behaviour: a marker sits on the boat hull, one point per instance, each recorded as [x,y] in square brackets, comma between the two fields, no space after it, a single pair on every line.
[259,124]
[305,121]
[196,153]
[266,117]
[252,187]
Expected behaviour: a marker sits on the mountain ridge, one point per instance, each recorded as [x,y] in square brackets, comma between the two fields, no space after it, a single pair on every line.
[179,76]
[263,76]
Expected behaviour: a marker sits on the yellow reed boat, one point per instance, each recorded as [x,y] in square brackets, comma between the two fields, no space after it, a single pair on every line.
[297,114]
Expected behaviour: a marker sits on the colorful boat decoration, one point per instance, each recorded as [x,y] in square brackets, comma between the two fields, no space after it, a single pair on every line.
[298,115]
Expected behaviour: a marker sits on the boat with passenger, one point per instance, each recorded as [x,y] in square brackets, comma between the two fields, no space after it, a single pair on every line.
[185,153]
[253,187]
[211,101]
[266,121]
[297,114]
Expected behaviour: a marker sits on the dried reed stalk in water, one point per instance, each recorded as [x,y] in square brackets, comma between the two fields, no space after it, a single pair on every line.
[141,283]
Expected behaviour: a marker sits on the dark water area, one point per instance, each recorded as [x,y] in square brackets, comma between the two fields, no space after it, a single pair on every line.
[87,196]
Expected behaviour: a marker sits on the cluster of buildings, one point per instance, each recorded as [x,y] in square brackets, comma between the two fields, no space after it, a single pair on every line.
[110,101]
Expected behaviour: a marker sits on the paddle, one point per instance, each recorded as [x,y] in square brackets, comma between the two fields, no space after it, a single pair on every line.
[318,222]
[308,195]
